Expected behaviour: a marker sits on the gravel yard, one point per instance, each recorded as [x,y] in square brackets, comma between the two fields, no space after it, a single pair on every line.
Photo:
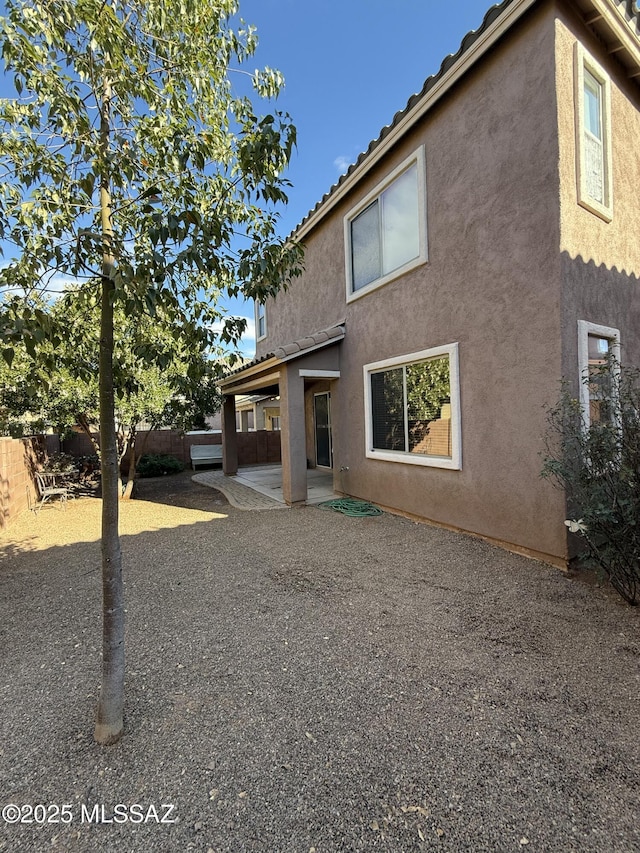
[304,681]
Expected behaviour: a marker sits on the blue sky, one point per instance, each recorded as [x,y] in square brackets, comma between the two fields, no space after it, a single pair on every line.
[349,66]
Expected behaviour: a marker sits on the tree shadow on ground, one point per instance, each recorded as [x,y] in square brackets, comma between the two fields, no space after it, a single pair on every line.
[179,490]
[172,489]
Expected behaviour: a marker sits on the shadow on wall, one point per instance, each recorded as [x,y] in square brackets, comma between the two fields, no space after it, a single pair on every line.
[19,459]
[4,502]
[603,295]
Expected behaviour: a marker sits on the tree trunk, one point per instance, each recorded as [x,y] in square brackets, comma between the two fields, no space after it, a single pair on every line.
[109,719]
[86,428]
[128,492]
[134,458]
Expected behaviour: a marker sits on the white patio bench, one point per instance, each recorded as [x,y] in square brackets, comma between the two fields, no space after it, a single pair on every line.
[205,454]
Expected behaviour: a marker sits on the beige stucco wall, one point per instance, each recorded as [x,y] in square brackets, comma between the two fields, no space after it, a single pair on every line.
[492,284]
[600,260]
[582,233]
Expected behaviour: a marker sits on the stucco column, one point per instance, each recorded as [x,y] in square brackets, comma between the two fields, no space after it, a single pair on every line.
[229,438]
[294,456]
[244,421]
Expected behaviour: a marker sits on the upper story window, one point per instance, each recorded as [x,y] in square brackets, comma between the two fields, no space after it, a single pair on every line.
[385,235]
[595,344]
[593,135]
[261,321]
[413,408]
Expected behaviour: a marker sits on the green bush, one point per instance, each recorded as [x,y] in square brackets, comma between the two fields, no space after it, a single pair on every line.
[59,463]
[597,463]
[158,464]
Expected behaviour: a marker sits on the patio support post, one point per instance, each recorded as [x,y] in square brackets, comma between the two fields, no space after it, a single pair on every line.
[229,438]
[294,455]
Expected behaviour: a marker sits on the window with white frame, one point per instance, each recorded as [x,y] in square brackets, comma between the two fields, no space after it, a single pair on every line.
[261,321]
[595,344]
[385,235]
[593,135]
[413,408]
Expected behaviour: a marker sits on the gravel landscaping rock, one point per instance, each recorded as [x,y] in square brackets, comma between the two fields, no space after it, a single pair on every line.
[305,681]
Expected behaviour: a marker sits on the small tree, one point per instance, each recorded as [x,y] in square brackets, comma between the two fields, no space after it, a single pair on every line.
[131,156]
[181,394]
[596,460]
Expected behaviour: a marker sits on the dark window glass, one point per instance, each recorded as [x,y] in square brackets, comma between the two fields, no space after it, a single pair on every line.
[387,410]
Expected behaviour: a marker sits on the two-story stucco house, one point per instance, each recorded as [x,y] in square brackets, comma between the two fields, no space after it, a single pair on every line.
[484,246]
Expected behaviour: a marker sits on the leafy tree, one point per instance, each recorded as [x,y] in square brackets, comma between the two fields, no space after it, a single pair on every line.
[181,394]
[428,390]
[131,154]
[16,418]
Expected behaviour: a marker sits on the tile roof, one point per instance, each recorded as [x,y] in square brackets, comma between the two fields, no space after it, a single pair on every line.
[313,341]
[316,340]
[247,365]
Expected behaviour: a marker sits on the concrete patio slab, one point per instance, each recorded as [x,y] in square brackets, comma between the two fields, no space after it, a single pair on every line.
[258,487]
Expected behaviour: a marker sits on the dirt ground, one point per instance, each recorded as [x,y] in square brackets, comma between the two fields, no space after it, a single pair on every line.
[302,681]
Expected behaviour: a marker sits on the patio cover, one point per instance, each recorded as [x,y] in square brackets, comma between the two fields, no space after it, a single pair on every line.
[283,372]
[264,371]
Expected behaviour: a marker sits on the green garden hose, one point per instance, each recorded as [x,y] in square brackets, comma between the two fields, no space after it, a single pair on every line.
[351,507]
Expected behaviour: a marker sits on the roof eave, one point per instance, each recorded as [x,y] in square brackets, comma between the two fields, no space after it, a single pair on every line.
[266,365]
[266,371]
[618,33]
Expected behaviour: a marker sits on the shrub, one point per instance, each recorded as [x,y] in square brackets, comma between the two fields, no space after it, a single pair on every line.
[597,463]
[88,464]
[59,463]
[157,464]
